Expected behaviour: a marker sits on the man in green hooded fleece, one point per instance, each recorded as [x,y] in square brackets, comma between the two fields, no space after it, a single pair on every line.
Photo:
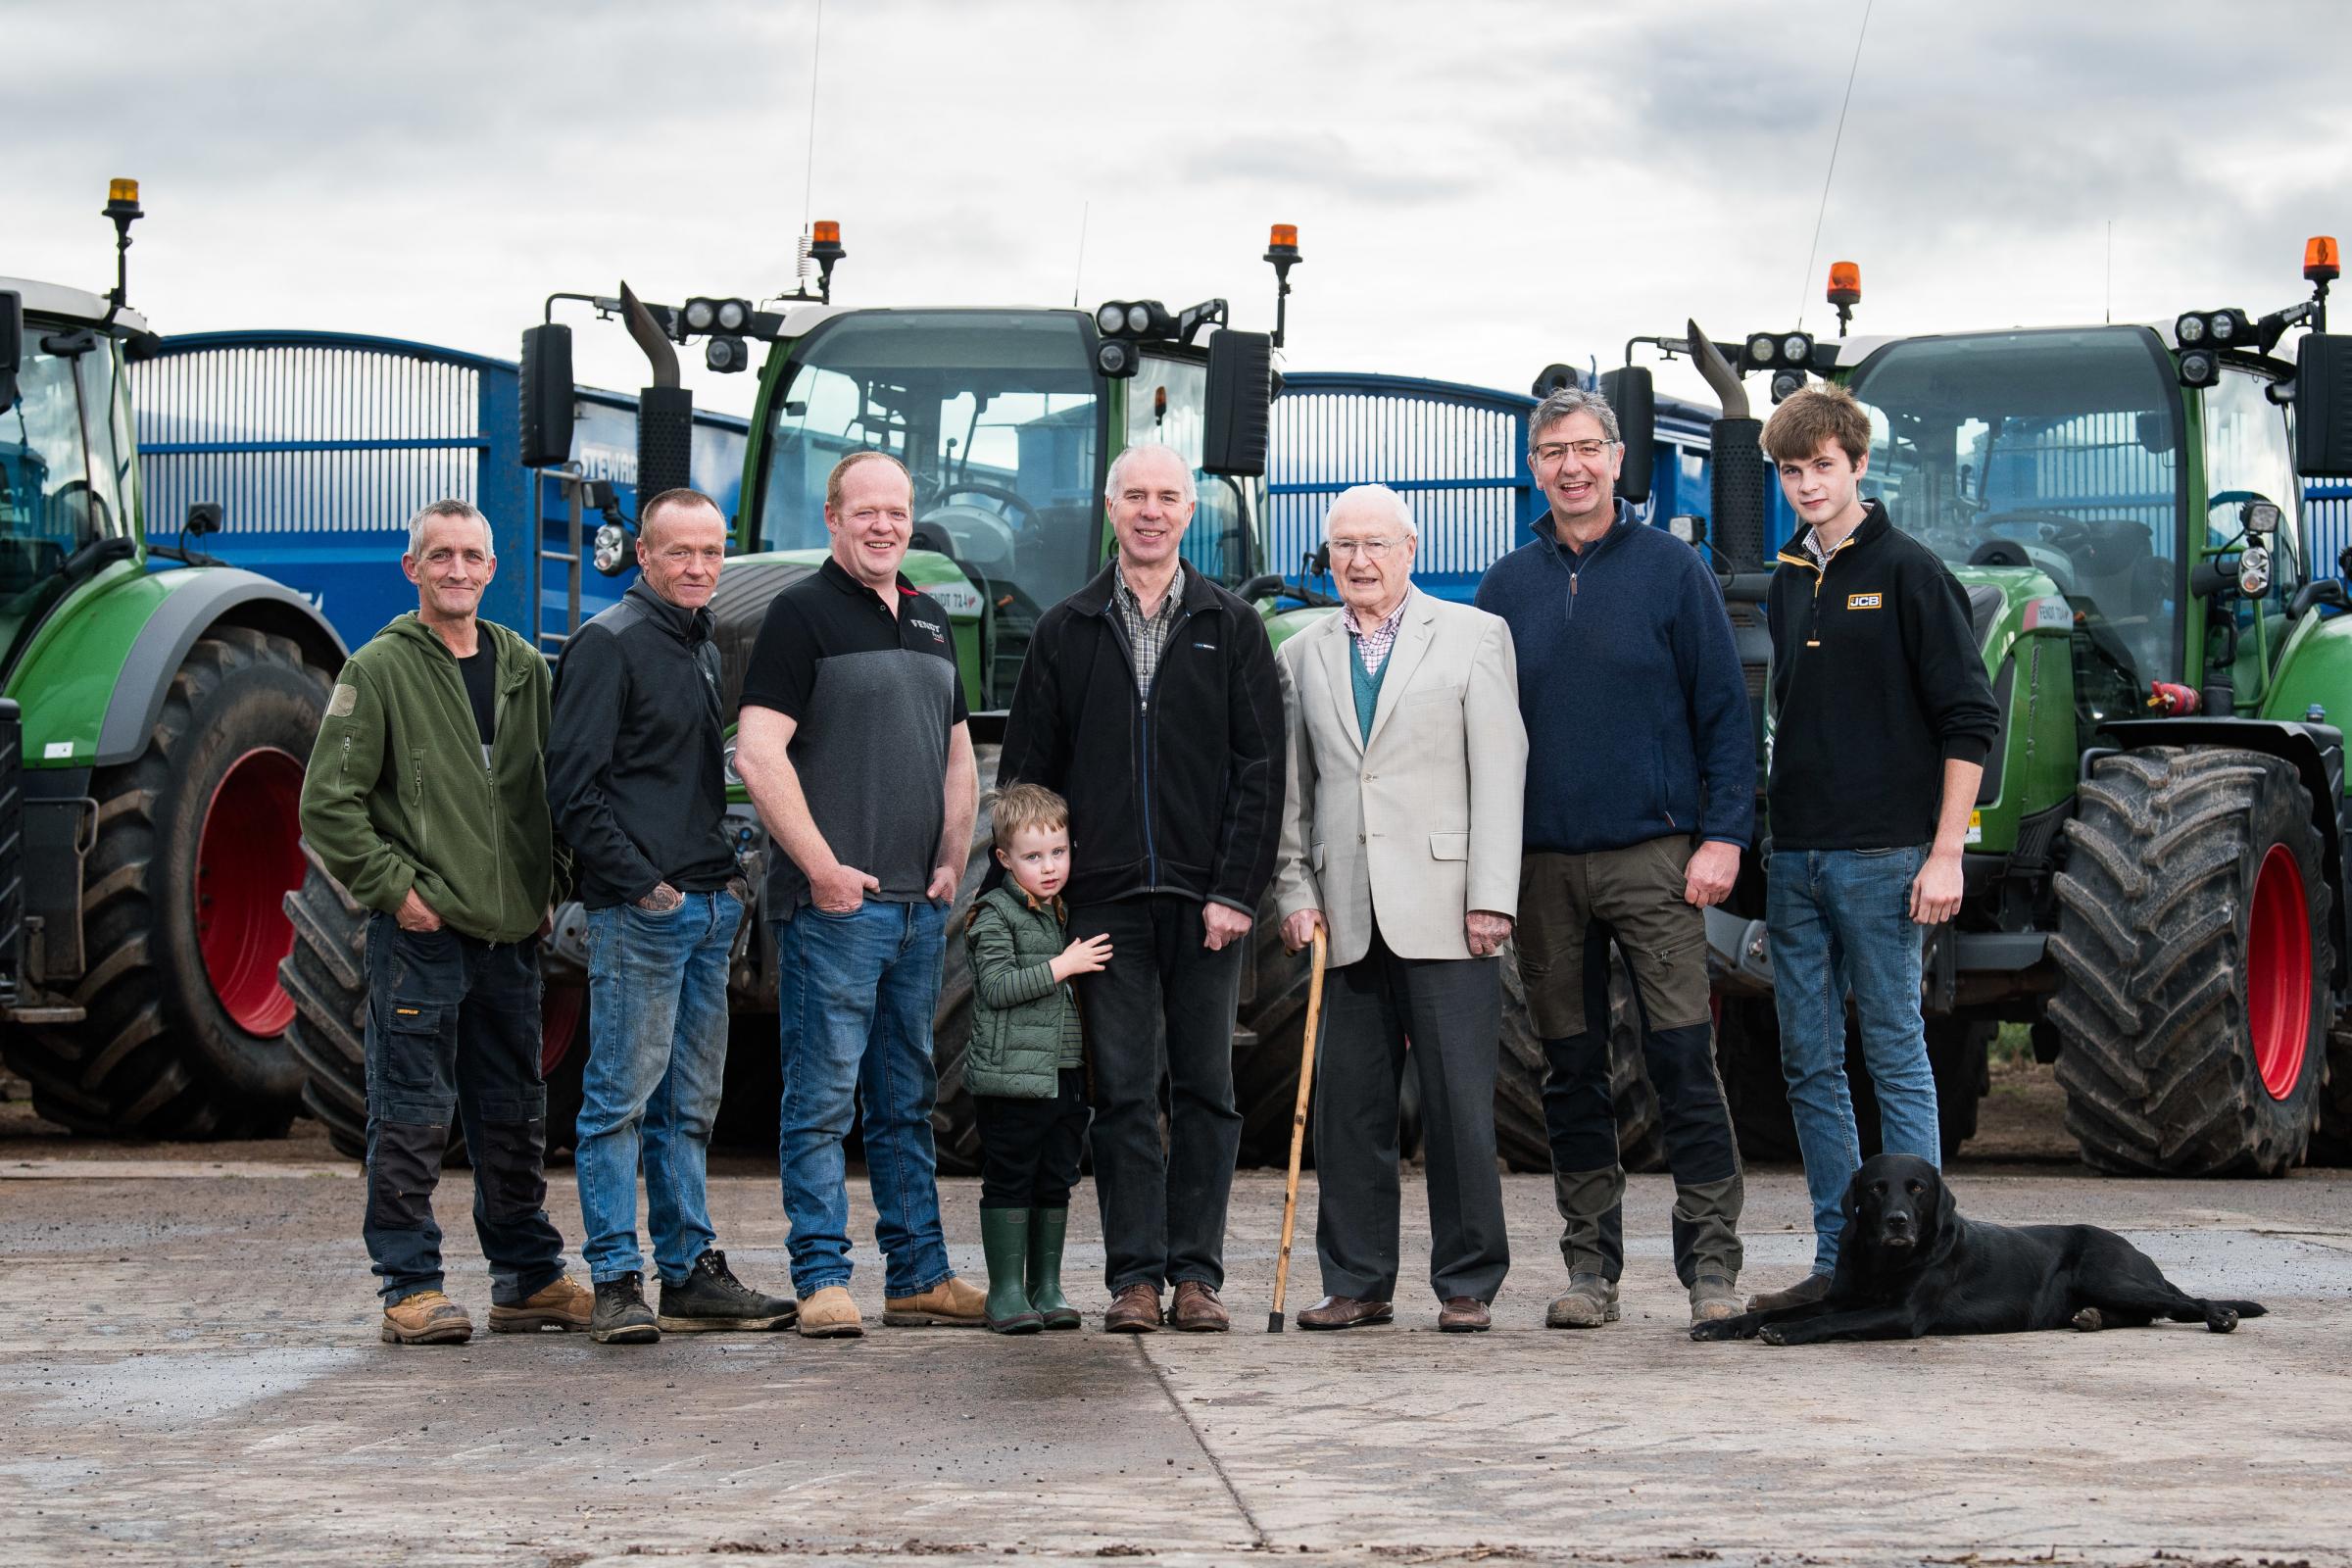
[427,798]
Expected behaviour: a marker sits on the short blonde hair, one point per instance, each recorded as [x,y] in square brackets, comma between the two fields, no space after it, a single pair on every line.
[1023,805]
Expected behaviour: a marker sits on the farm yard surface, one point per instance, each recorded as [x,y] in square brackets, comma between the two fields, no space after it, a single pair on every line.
[193,1376]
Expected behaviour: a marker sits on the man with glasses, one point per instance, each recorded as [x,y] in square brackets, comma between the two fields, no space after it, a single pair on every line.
[1640,787]
[1148,702]
[1407,763]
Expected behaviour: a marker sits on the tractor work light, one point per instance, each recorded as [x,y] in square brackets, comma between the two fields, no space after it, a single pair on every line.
[1759,349]
[2260,518]
[1117,358]
[705,314]
[1111,319]
[1786,384]
[1777,351]
[726,354]
[614,551]
[2198,368]
[2226,328]
[1144,321]
[2189,330]
[1796,347]
[2322,263]
[2254,572]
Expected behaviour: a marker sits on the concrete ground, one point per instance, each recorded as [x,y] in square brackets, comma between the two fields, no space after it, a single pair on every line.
[192,1375]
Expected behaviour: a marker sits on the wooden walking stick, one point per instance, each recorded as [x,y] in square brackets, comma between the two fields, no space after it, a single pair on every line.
[1306,1085]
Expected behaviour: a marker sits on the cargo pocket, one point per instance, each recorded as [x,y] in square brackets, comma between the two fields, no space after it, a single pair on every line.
[409,1069]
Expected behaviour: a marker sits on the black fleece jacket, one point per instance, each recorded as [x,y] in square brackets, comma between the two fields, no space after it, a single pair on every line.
[1876,680]
[634,774]
[1178,791]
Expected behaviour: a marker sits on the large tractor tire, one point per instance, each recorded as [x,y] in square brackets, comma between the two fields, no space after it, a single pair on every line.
[196,843]
[2332,1139]
[1520,1137]
[326,976]
[1747,1052]
[2193,1011]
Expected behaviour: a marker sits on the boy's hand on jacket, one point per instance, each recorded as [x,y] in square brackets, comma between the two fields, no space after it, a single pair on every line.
[1086,955]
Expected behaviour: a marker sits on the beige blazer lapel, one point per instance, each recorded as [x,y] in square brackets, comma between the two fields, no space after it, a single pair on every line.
[1338,650]
[1413,639]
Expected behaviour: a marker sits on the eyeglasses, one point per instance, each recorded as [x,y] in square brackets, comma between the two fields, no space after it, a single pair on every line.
[1369,549]
[1552,453]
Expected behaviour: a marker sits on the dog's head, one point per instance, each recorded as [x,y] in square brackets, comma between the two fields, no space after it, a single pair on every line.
[1897,1209]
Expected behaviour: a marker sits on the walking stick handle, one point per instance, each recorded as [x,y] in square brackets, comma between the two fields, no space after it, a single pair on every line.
[1306,1085]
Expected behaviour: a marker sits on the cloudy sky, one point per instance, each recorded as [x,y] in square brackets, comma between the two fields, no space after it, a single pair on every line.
[1480,186]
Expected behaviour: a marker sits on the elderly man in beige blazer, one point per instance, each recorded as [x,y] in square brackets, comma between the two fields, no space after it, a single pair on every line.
[1401,838]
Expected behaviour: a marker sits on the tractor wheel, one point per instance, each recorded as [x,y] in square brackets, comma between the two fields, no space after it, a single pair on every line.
[196,843]
[954,1127]
[1520,1137]
[1265,1073]
[1747,1053]
[2193,1014]
[2332,1139]
[326,976]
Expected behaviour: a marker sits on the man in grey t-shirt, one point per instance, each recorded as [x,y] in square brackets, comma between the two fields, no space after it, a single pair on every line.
[851,700]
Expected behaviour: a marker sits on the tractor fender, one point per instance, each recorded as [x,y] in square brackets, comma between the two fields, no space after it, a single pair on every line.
[216,595]
[2317,753]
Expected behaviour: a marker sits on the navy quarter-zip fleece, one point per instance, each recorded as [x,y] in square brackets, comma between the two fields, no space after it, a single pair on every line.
[1636,713]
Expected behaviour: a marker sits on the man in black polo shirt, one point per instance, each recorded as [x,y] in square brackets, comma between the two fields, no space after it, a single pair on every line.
[853,742]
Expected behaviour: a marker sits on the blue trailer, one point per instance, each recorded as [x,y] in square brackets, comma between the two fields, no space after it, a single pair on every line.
[318,447]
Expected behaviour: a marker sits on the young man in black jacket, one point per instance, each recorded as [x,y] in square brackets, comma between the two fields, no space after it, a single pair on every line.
[1149,701]
[1882,721]
[634,778]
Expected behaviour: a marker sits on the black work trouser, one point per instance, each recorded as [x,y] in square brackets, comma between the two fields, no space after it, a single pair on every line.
[1452,1011]
[1029,1149]
[1163,1009]
[454,1030]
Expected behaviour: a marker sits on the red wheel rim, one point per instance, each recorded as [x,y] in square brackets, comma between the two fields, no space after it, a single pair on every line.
[248,858]
[560,1010]
[2279,973]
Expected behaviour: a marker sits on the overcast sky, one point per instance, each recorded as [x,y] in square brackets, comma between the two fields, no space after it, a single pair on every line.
[1480,187]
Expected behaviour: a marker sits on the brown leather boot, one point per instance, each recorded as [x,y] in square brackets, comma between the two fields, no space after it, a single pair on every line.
[565,1304]
[948,1304]
[1134,1310]
[427,1317]
[1198,1309]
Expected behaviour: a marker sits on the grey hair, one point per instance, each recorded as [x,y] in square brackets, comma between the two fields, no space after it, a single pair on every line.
[1380,497]
[450,509]
[1568,399]
[1119,465]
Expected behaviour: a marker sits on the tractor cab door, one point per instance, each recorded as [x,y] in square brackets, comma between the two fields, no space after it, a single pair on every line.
[1168,402]
[2249,456]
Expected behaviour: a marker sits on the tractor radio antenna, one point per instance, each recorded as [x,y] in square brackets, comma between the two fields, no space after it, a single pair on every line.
[1836,139]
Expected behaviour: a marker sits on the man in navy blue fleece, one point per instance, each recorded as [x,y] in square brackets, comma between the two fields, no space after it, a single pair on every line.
[1641,780]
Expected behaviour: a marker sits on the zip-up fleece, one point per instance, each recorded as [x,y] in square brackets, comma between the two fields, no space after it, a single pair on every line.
[1025,1026]
[1177,791]
[1630,686]
[397,797]
[1876,681]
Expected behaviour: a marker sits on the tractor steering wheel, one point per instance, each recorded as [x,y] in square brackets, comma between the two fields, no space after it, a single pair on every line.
[1027,518]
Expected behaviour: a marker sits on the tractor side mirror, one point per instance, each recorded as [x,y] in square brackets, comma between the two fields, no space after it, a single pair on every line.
[1634,400]
[204,517]
[12,346]
[545,393]
[1241,398]
[2324,405]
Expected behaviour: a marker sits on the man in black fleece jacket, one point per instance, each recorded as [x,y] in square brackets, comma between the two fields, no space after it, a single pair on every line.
[634,778]
[1149,701]
[1883,718]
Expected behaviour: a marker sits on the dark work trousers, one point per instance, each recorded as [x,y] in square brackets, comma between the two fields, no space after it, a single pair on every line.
[1450,1010]
[1580,1115]
[453,1026]
[1163,1208]
[1029,1149]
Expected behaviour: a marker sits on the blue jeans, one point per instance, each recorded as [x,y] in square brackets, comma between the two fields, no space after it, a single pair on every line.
[656,1060]
[1841,922]
[856,994]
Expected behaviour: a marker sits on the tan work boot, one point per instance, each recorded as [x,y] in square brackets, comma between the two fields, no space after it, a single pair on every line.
[426,1318]
[1713,1299]
[1805,1293]
[948,1304]
[565,1304]
[830,1314]
[1589,1302]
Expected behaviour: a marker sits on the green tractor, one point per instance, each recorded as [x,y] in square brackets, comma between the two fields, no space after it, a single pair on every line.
[1007,419]
[152,739]
[2158,862]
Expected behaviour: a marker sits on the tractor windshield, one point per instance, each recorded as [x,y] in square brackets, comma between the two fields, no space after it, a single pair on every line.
[2055,450]
[65,451]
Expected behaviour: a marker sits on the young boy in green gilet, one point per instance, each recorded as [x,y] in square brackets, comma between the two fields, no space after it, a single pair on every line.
[1026,1065]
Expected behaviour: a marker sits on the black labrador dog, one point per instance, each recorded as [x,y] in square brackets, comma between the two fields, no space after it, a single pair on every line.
[1910,1265]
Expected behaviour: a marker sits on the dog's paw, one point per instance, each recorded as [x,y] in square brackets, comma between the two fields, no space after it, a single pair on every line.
[1717,1329]
[2091,1320]
[1773,1333]
[2221,1320]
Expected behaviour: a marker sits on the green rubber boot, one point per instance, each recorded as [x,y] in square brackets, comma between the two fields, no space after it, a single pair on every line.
[1047,1228]
[1004,1238]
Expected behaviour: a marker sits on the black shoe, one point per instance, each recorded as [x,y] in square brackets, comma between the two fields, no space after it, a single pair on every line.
[711,1300]
[622,1316]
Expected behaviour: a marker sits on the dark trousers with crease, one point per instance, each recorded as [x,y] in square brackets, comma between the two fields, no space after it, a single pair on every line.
[453,1031]
[1163,1009]
[1451,1011]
